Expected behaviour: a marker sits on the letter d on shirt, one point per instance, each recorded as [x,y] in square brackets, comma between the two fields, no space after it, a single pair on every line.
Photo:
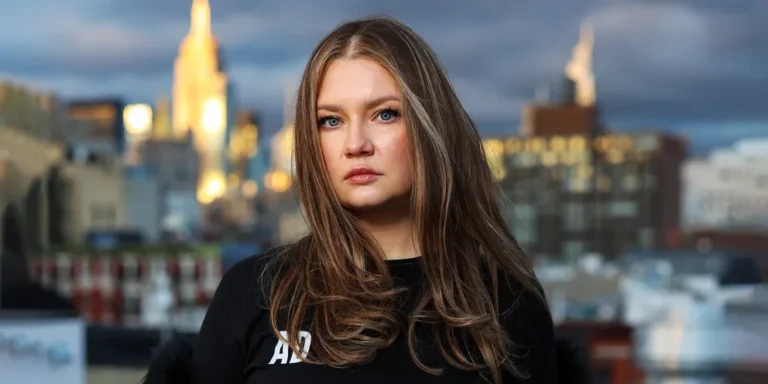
[283,350]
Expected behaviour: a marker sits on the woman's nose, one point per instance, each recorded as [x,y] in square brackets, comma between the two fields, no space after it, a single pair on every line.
[358,143]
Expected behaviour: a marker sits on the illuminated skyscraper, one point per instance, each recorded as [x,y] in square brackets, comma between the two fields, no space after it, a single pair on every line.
[200,100]
[579,69]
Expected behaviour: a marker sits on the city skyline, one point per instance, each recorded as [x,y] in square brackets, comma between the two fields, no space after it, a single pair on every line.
[694,67]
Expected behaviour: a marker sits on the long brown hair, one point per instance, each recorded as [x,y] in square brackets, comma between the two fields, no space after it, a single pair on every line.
[335,280]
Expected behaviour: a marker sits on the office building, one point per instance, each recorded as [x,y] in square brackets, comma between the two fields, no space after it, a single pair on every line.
[94,194]
[572,195]
[104,128]
[30,204]
[728,188]
[577,113]
[175,167]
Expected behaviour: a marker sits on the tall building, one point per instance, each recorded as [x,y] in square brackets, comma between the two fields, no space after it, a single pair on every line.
[573,195]
[30,204]
[577,112]
[200,101]
[579,70]
[577,188]
[95,196]
[175,166]
[728,189]
[559,119]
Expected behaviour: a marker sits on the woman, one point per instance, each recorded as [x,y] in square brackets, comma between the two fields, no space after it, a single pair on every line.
[409,271]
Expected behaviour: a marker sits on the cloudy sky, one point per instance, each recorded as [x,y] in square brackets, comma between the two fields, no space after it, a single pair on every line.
[699,67]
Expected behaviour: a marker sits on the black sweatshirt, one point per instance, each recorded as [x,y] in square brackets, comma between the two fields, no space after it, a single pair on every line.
[236,344]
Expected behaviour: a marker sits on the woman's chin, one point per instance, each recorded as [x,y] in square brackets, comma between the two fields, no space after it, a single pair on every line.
[376,202]
[364,205]
[369,203]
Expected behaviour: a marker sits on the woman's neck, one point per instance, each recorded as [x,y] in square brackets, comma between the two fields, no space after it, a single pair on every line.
[394,234]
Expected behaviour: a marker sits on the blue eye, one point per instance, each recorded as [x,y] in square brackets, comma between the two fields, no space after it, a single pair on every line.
[388,115]
[329,121]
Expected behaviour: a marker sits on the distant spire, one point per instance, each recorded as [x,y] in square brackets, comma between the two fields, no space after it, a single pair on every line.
[201,18]
[587,35]
[579,69]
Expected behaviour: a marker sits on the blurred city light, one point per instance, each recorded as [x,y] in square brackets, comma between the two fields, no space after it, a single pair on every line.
[138,119]
[278,181]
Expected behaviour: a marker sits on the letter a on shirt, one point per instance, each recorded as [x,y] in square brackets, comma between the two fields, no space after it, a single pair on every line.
[284,354]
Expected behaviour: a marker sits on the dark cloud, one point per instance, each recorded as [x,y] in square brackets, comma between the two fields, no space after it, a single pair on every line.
[678,63]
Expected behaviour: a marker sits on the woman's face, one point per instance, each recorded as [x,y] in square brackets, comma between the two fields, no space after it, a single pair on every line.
[362,134]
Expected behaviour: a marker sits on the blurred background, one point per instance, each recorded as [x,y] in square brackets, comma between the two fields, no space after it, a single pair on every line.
[145,146]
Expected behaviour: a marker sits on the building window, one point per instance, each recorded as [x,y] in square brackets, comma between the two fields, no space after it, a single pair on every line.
[622,209]
[631,182]
[526,160]
[547,201]
[650,181]
[525,211]
[579,185]
[604,183]
[579,178]
[646,238]
[524,223]
[575,217]
[573,249]
[525,235]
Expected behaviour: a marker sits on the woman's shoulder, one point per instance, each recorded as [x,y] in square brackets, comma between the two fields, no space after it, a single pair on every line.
[523,304]
[528,322]
[245,279]
[254,264]
[519,292]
